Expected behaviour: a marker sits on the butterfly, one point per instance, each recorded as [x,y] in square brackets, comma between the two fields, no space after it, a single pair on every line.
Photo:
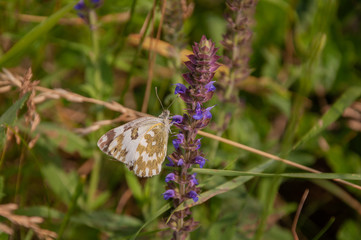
[140,144]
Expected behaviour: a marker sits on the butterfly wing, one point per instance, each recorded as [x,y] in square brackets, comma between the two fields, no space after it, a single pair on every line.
[121,142]
[152,149]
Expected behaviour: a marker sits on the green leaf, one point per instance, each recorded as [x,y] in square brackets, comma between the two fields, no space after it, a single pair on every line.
[4,236]
[349,230]
[62,184]
[65,139]
[8,117]
[332,114]
[345,176]
[39,31]
[41,211]
[102,220]
[107,221]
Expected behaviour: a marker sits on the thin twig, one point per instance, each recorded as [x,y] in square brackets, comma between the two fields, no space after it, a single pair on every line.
[298,212]
[268,155]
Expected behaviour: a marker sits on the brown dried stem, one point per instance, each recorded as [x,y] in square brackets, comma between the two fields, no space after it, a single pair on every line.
[298,212]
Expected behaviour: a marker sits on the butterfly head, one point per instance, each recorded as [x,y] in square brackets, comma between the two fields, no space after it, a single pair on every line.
[165,114]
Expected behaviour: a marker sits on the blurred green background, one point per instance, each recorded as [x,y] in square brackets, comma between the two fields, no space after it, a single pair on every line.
[305,70]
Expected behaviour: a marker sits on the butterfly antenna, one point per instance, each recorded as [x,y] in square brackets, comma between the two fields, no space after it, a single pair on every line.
[156,93]
[173,102]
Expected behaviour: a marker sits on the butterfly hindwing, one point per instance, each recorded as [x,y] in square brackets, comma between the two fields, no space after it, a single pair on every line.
[151,150]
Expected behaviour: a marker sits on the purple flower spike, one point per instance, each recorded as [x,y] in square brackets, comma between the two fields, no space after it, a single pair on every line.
[177,119]
[180,88]
[170,177]
[200,161]
[169,194]
[210,87]
[194,195]
[199,113]
[198,90]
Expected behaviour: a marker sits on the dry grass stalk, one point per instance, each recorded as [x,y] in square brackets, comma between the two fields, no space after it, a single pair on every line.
[24,221]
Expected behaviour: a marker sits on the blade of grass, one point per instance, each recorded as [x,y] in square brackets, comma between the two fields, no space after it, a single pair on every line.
[157,214]
[345,176]
[8,118]
[325,228]
[38,31]
[347,98]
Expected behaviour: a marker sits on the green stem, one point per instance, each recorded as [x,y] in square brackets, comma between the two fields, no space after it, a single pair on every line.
[74,199]
[94,179]
[97,84]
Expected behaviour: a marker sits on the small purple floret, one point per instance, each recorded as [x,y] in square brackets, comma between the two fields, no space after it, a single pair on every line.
[170,177]
[194,195]
[199,113]
[180,88]
[198,143]
[169,194]
[80,5]
[179,140]
[180,162]
[207,112]
[210,87]
[193,181]
[175,143]
[177,119]
[171,163]
[200,161]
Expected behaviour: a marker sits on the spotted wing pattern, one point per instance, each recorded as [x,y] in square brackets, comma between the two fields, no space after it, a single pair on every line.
[140,144]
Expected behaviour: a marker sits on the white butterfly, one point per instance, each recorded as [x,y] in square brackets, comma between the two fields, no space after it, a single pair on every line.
[140,144]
